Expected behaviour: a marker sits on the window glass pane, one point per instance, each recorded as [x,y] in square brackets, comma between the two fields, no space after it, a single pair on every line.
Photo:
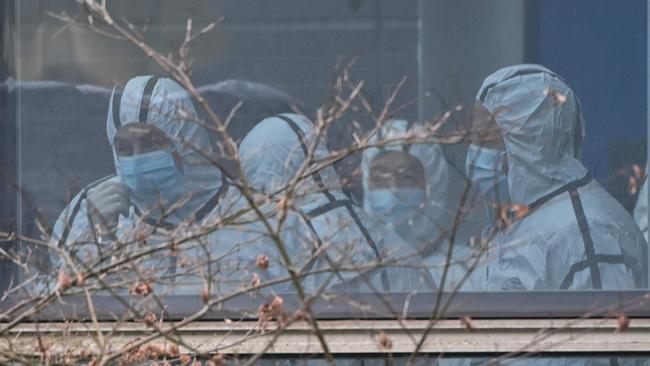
[221,148]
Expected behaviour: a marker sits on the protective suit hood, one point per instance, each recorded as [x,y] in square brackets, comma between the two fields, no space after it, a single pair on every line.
[443,184]
[164,104]
[542,128]
[272,153]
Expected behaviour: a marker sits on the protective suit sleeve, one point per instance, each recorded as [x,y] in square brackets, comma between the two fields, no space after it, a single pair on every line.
[73,227]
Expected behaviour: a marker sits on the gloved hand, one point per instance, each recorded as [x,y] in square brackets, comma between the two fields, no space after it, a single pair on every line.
[106,202]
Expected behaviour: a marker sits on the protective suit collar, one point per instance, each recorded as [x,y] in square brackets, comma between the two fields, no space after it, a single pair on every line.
[165,104]
[542,127]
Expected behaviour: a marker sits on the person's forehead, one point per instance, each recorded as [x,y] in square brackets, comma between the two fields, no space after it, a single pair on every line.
[387,158]
[396,160]
[396,169]
[140,130]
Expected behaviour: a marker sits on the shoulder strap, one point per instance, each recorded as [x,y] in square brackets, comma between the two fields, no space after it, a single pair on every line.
[75,210]
[145,101]
[592,259]
[214,201]
[333,202]
[588,242]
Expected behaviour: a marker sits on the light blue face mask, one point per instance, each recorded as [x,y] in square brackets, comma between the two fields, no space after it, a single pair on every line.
[403,210]
[486,170]
[150,176]
[397,206]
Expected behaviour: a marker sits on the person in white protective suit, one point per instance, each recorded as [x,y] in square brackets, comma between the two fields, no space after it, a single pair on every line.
[563,230]
[553,227]
[323,228]
[164,182]
[414,190]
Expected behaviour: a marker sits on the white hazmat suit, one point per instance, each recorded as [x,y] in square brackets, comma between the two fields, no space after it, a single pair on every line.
[323,227]
[427,225]
[567,232]
[197,194]
[574,235]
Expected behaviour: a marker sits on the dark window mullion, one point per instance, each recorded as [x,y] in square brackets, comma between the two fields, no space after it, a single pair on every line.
[8,146]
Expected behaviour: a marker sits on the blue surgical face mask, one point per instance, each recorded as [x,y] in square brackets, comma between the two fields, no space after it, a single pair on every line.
[150,176]
[402,209]
[486,168]
[397,206]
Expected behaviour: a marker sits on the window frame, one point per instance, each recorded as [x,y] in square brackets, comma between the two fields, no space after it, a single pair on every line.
[587,304]
[488,338]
